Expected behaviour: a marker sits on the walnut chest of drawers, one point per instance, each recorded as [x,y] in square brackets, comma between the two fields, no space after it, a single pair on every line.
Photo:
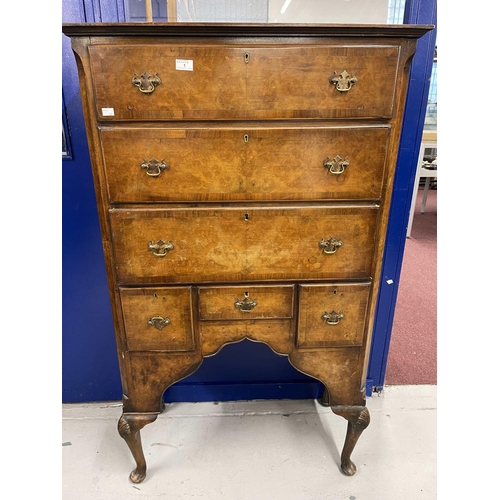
[243,176]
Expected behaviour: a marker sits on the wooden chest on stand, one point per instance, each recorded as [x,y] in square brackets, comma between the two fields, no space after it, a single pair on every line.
[243,176]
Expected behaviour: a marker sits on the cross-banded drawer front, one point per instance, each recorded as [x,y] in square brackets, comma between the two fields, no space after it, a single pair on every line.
[223,164]
[244,303]
[332,315]
[158,319]
[168,82]
[231,244]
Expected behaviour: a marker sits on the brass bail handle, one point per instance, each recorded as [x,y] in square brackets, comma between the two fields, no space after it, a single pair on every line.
[343,82]
[146,83]
[245,305]
[330,245]
[337,165]
[159,322]
[332,318]
[160,248]
[154,167]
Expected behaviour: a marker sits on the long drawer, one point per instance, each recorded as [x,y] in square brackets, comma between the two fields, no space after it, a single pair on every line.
[248,243]
[220,82]
[232,164]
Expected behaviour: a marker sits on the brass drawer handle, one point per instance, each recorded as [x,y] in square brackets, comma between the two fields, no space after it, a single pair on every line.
[343,82]
[336,166]
[330,245]
[153,167]
[160,248]
[146,82]
[333,318]
[158,322]
[245,305]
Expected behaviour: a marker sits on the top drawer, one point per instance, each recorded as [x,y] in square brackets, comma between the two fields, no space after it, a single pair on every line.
[224,82]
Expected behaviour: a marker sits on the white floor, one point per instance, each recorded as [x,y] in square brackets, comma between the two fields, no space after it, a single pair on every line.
[256,450]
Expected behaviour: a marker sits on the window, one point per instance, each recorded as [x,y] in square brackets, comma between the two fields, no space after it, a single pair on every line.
[271,11]
[431,113]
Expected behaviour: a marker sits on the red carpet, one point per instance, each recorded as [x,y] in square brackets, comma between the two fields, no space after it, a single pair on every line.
[413,350]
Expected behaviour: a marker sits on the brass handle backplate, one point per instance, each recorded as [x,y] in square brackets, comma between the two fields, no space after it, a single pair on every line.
[159,322]
[336,166]
[153,167]
[330,245]
[160,248]
[245,305]
[343,82]
[146,83]
[333,318]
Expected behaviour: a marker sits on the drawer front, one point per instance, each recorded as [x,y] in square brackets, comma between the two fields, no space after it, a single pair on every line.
[332,315]
[233,244]
[158,319]
[244,303]
[152,82]
[214,164]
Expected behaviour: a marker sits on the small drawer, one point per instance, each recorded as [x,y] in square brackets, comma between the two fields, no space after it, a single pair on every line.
[158,319]
[243,303]
[332,315]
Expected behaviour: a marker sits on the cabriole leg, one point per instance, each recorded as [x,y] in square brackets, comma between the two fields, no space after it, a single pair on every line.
[324,400]
[358,418]
[129,427]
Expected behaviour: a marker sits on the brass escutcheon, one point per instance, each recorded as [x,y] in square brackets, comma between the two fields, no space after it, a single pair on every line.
[333,318]
[336,166]
[245,305]
[330,245]
[146,82]
[154,167]
[343,82]
[160,248]
[159,322]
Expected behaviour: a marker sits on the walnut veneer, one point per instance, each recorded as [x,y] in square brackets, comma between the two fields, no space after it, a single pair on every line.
[243,176]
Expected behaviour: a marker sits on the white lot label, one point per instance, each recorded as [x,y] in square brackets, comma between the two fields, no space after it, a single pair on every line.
[184,64]
[108,111]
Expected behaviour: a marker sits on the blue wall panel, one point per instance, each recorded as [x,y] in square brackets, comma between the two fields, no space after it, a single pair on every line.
[417,12]
[89,361]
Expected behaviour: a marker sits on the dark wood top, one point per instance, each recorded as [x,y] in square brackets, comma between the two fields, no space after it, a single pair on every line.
[256,30]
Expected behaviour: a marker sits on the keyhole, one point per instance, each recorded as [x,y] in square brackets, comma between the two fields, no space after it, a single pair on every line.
[247,217]
[247,57]
[245,137]
[335,291]
[155,296]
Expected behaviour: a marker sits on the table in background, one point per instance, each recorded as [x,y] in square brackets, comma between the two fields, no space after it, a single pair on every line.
[429,141]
